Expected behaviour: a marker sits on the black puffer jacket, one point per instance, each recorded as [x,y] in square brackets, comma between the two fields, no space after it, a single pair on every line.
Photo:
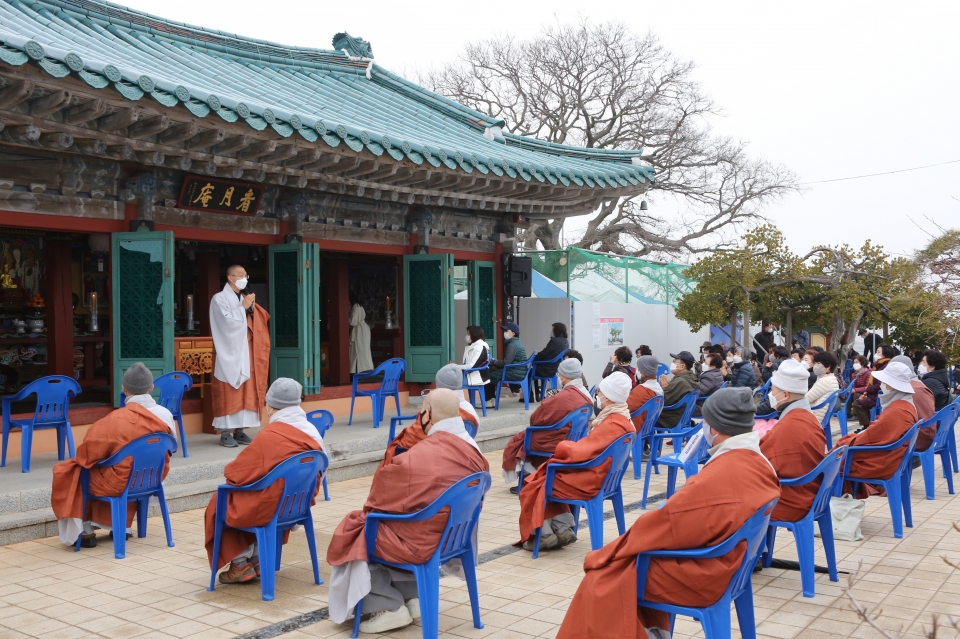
[938,382]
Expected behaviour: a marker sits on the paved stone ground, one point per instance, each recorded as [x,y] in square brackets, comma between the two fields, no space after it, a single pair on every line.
[48,591]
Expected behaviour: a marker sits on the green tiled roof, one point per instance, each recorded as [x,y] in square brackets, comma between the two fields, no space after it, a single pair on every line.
[312,93]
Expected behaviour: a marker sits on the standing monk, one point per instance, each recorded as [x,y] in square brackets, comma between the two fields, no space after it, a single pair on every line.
[409,483]
[711,506]
[105,437]
[241,344]
[611,423]
[573,395]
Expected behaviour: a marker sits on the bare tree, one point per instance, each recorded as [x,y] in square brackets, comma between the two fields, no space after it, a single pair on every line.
[603,86]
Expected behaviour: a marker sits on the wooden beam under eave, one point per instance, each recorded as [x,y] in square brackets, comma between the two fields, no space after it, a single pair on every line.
[16,93]
[399,176]
[53,101]
[149,127]
[231,144]
[328,159]
[82,113]
[205,139]
[258,149]
[365,168]
[307,157]
[119,120]
[282,152]
[344,166]
[178,133]
[384,172]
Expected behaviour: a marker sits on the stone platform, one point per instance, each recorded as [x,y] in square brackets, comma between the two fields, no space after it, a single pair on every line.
[355,451]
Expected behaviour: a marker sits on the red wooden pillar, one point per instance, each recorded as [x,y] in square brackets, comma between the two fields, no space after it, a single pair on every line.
[59,300]
[208,285]
[340,322]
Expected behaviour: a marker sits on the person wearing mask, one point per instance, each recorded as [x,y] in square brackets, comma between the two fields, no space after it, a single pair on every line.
[513,353]
[764,339]
[647,388]
[807,360]
[925,403]
[797,444]
[475,355]
[868,398]
[933,373]
[620,362]
[757,373]
[714,504]
[742,374]
[824,367]
[802,339]
[871,342]
[552,410]
[612,422]
[557,344]
[899,414]
[861,379]
[780,354]
[361,359]
[684,381]
[643,350]
[712,376]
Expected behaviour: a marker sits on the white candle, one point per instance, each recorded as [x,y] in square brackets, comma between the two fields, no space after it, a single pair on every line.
[190,303]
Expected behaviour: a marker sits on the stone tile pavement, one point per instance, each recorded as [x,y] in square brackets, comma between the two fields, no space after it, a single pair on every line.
[50,592]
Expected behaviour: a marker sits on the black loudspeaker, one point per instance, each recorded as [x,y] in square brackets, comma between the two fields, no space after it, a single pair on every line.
[519,276]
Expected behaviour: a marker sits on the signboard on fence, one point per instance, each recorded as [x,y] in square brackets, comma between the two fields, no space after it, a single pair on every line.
[612,330]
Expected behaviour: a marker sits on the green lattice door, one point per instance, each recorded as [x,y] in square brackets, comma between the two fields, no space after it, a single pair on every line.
[428,315]
[295,314]
[142,321]
[482,294]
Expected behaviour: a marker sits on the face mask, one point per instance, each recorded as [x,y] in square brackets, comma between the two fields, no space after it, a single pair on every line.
[807,364]
[506,335]
[737,359]
[857,366]
[922,370]
[596,406]
[242,283]
[423,422]
[819,370]
[466,338]
[730,359]
[673,368]
[708,435]
[773,400]
[770,330]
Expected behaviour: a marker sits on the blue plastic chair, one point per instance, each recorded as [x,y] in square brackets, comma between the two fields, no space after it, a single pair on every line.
[52,411]
[802,530]
[897,486]
[945,419]
[172,387]
[715,619]
[688,403]
[672,461]
[524,383]
[651,408]
[479,390]
[763,390]
[848,370]
[391,370]
[553,379]
[322,420]
[394,422]
[149,454]
[618,453]
[464,500]
[578,420]
[877,408]
[299,476]
[830,403]
[843,405]
[662,369]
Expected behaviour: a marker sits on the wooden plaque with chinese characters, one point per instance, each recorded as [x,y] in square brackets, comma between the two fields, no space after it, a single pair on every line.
[201,193]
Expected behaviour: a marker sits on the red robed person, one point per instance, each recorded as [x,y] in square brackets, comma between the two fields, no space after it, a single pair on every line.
[288,433]
[573,395]
[611,423]
[797,444]
[241,344]
[712,505]
[899,414]
[408,483]
[141,416]
[647,389]
[449,377]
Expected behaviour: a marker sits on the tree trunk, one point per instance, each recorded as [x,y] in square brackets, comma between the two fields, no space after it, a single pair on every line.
[851,335]
[747,338]
[789,336]
[733,328]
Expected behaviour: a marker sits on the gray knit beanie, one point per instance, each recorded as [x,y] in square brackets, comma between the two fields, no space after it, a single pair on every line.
[284,392]
[570,368]
[647,365]
[137,380]
[450,377]
[906,361]
[730,411]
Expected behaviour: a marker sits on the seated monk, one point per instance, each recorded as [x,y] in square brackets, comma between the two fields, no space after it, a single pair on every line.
[925,403]
[573,395]
[899,414]
[288,433]
[408,483]
[141,416]
[712,505]
[611,423]
[797,444]
[646,389]
[449,377]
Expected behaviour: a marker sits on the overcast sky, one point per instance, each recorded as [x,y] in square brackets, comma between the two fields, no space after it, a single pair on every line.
[830,89]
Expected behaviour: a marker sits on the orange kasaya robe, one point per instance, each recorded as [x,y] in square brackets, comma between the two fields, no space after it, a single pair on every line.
[551,410]
[104,438]
[577,484]
[710,507]
[926,405]
[272,445]
[414,434]
[228,400]
[639,396]
[895,420]
[409,483]
[794,447]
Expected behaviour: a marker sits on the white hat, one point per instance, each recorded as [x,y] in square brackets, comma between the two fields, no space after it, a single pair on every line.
[792,376]
[896,376]
[616,387]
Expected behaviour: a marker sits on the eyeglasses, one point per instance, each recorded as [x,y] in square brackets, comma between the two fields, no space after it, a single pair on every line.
[424,393]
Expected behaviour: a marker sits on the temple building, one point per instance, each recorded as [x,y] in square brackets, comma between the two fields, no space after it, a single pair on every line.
[140,157]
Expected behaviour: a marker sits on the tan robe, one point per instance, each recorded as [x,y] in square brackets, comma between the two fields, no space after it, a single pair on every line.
[895,420]
[274,444]
[228,400]
[710,507]
[550,411]
[577,484]
[412,435]
[639,396]
[795,446]
[926,406]
[104,438]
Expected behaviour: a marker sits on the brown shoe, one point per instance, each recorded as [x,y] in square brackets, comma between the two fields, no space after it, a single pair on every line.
[255,562]
[238,574]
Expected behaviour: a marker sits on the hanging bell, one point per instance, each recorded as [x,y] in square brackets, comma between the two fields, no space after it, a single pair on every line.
[643,205]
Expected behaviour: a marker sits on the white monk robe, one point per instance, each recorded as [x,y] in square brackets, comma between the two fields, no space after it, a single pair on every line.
[228,324]
[360,358]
